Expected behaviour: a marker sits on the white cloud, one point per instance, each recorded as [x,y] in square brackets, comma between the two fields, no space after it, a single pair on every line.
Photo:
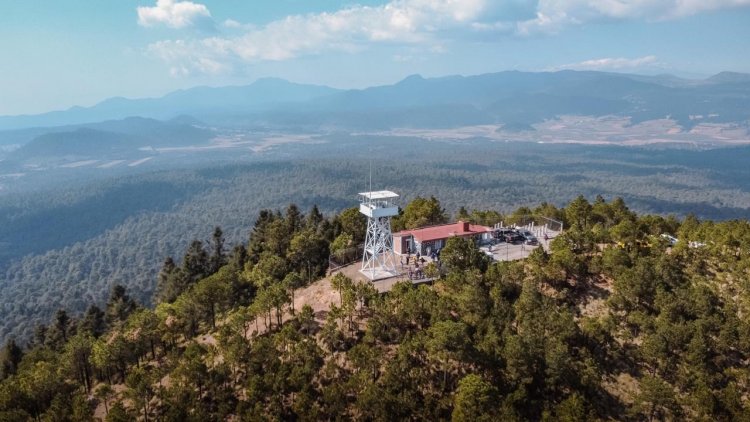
[348,30]
[611,63]
[174,14]
[553,15]
[231,23]
[428,24]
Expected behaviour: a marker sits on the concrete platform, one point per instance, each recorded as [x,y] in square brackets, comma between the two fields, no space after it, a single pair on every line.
[515,251]
[379,274]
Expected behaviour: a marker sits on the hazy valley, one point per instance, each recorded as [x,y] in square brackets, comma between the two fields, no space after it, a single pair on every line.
[90,191]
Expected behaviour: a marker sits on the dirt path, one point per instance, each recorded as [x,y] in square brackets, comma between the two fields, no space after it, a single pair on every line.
[319,295]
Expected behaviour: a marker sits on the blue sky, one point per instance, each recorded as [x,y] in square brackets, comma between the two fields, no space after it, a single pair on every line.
[56,54]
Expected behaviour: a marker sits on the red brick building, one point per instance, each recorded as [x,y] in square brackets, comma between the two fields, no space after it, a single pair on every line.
[428,239]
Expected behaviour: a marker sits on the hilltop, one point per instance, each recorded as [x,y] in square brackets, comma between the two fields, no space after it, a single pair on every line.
[614,322]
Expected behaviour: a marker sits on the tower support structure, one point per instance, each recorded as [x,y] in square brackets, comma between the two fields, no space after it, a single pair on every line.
[378,259]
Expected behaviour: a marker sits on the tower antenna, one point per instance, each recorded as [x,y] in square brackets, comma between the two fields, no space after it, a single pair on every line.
[370,175]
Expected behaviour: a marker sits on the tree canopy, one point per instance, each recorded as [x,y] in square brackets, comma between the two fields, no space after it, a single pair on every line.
[612,323]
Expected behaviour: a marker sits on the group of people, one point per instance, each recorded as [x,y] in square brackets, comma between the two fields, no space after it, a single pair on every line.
[416,272]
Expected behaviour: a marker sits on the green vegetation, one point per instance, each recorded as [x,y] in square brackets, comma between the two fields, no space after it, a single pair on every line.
[420,212]
[67,247]
[613,323]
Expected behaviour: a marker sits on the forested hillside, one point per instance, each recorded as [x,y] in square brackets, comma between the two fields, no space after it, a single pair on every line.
[68,247]
[613,323]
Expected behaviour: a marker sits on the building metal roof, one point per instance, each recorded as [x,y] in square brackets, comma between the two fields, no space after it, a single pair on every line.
[380,194]
[444,231]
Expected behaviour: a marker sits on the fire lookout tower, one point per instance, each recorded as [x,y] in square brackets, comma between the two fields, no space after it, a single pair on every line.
[378,259]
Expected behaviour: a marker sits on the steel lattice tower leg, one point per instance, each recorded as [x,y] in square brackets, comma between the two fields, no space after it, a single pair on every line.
[378,257]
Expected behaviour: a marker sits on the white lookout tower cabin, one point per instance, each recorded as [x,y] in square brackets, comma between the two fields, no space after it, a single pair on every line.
[378,259]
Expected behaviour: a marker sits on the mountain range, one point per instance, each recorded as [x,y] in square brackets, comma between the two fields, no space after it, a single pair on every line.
[511,97]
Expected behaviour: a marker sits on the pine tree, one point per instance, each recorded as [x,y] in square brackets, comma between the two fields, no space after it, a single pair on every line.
[257,244]
[474,400]
[61,327]
[195,264]
[294,219]
[315,218]
[217,258]
[10,357]
[170,282]
[94,321]
[119,305]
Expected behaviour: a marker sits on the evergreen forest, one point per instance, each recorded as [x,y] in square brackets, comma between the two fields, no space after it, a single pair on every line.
[66,244]
[614,323]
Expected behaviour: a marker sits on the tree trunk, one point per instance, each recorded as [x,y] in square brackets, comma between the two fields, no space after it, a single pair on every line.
[445,375]
[86,372]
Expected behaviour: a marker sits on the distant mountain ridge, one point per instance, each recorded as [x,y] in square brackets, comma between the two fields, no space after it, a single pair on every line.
[260,95]
[729,77]
[111,138]
[513,98]
[522,98]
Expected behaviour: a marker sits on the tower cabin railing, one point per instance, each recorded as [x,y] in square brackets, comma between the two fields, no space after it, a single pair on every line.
[378,204]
